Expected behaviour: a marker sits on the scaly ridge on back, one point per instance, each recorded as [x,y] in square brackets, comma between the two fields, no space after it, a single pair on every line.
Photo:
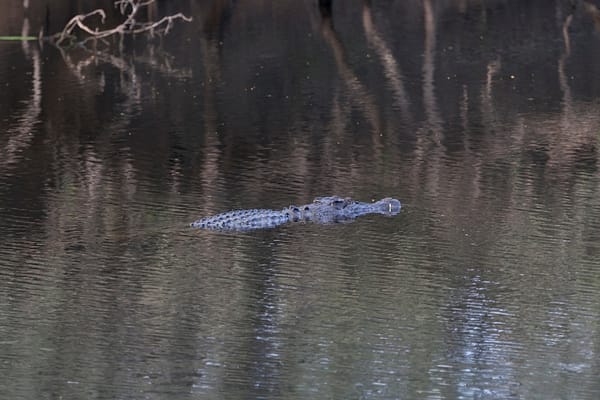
[243,220]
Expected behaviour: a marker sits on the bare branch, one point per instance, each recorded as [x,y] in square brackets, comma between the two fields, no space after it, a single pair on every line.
[67,31]
[155,25]
[129,9]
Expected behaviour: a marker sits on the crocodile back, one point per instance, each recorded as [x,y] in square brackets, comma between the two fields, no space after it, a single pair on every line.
[243,220]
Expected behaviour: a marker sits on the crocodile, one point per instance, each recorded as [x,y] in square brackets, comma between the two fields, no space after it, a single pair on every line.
[323,210]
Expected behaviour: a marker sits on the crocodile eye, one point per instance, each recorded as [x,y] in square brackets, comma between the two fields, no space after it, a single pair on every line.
[306,208]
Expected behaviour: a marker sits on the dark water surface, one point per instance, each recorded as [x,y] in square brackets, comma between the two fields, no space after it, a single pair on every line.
[482,117]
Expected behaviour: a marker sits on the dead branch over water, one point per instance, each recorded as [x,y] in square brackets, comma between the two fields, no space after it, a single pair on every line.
[130,9]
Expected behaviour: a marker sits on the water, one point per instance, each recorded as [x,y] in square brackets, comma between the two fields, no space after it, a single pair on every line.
[482,118]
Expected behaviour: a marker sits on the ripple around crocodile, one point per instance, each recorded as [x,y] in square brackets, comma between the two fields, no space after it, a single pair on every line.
[322,210]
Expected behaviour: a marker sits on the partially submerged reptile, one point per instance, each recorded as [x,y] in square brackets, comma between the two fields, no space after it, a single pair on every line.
[322,210]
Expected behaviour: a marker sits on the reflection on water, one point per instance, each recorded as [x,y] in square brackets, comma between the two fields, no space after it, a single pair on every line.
[484,286]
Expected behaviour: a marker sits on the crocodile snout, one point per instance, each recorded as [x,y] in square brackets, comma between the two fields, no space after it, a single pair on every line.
[391,206]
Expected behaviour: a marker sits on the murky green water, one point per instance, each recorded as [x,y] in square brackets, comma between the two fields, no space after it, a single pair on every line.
[482,117]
